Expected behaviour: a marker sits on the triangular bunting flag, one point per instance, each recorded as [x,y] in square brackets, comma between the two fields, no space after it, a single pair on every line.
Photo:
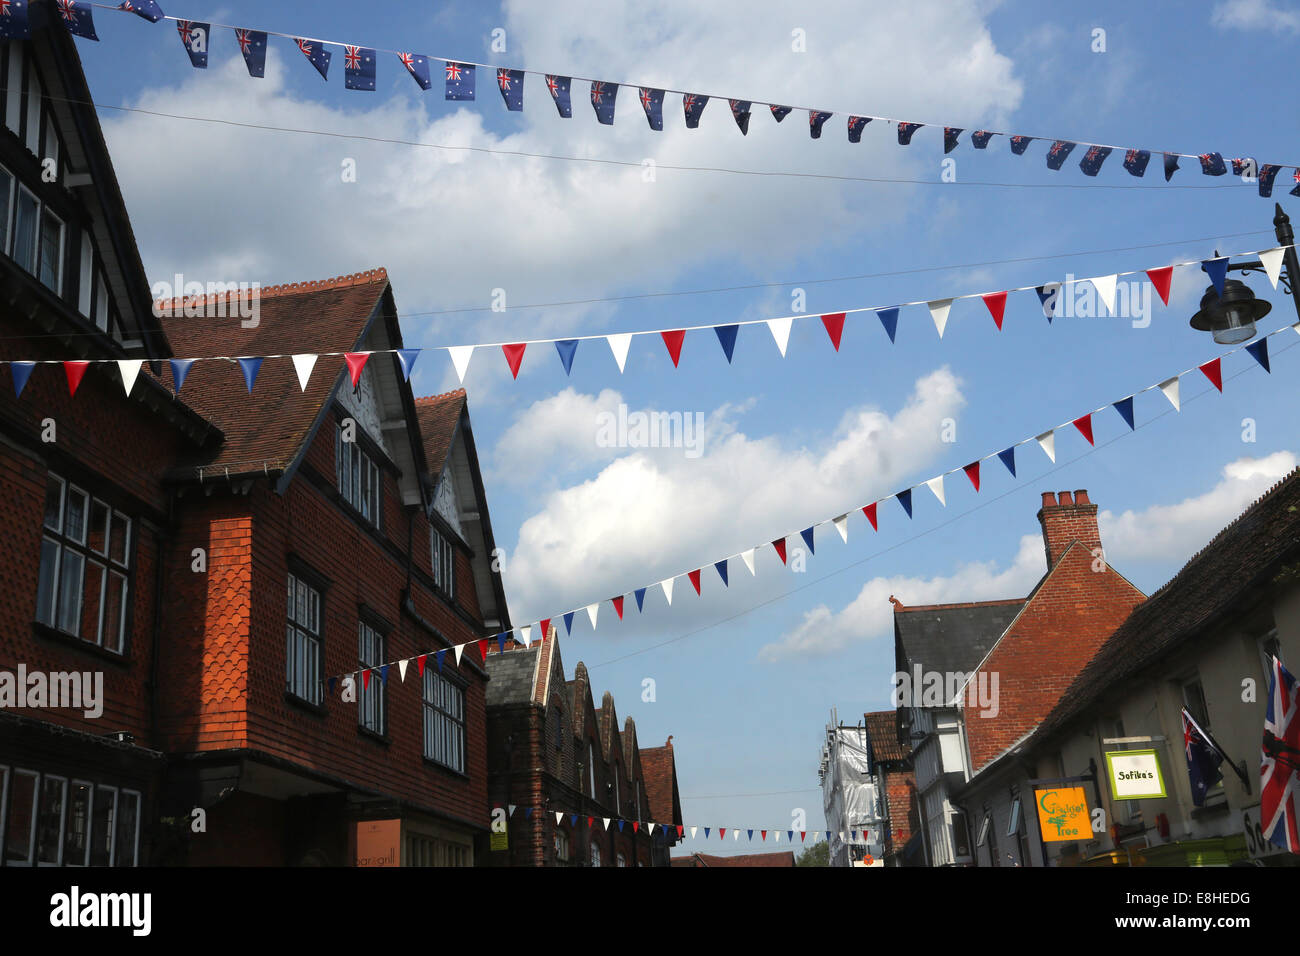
[618,606]
[1048,295]
[441,656]
[936,485]
[1272,262]
[460,356]
[74,372]
[842,526]
[779,545]
[567,348]
[21,372]
[1047,440]
[303,364]
[727,339]
[1161,279]
[568,622]
[401,670]
[1217,270]
[1170,390]
[460,651]
[356,361]
[406,359]
[526,635]
[889,319]
[1125,408]
[514,357]
[1009,459]
[180,369]
[997,305]
[674,341]
[748,558]
[1105,286]
[129,369]
[834,327]
[870,512]
[1213,370]
[905,499]
[250,367]
[939,312]
[592,610]
[780,329]
[1259,352]
[667,585]
[639,593]
[721,568]
[807,535]
[420,662]
[1084,424]
[619,344]
[973,473]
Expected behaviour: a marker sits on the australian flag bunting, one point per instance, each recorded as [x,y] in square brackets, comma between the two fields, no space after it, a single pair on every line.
[1212,164]
[511,84]
[1203,760]
[1093,158]
[1171,165]
[856,125]
[740,110]
[1240,166]
[905,131]
[817,119]
[603,96]
[780,112]
[194,36]
[693,105]
[1056,156]
[418,66]
[358,68]
[252,43]
[1135,161]
[652,101]
[460,81]
[76,16]
[980,138]
[950,134]
[1295,190]
[560,87]
[1020,143]
[1267,173]
[147,9]
[13,20]
[315,51]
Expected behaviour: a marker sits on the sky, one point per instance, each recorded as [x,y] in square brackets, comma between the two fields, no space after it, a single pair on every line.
[466,205]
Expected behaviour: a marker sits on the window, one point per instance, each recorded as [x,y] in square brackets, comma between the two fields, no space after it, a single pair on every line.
[126,843]
[86,283]
[20,820]
[1194,700]
[25,228]
[359,478]
[984,830]
[85,567]
[101,302]
[370,700]
[561,845]
[444,563]
[6,204]
[426,851]
[444,721]
[14,89]
[76,838]
[622,860]
[51,270]
[595,853]
[303,652]
[33,132]
[49,825]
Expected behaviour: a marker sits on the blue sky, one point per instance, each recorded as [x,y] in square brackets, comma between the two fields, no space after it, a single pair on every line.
[744,679]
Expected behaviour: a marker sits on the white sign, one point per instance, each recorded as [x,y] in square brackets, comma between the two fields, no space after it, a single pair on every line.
[1135,774]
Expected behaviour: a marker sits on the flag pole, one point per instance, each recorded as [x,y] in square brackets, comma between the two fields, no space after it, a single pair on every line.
[1217,749]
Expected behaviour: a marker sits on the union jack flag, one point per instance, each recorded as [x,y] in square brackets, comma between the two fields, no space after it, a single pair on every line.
[1279,783]
[352,56]
[453,71]
[68,10]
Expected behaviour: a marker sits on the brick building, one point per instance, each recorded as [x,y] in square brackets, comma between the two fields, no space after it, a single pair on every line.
[551,751]
[891,765]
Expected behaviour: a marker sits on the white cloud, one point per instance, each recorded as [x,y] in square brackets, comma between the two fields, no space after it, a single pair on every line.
[649,514]
[1255,15]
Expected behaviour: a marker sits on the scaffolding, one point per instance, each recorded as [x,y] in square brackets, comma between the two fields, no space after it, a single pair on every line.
[850,795]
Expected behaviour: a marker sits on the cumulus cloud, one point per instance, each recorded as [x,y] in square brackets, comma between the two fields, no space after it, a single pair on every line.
[1255,15]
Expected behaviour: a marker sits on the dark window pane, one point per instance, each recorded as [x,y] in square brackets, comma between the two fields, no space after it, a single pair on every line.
[50,551]
[54,504]
[49,832]
[76,839]
[101,831]
[128,818]
[20,825]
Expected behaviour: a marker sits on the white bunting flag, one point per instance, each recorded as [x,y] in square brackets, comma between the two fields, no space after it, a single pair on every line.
[667,585]
[936,485]
[1105,286]
[591,613]
[129,368]
[460,356]
[694,830]
[1048,441]
[778,835]
[1272,261]
[1170,390]
[748,558]
[606,819]
[736,833]
[460,649]
[780,329]
[939,312]
[842,526]
[512,810]
[559,815]
[303,364]
[652,829]
[526,635]
[401,669]
[619,344]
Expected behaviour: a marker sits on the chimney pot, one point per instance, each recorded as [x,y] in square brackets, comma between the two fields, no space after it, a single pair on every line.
[1049,499]
[1064,499]
[1081,497]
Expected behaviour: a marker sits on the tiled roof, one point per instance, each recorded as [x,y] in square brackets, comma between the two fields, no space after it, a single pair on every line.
[951,637]
[882,732]
[439,415]
[782,859]
[510,675]
[267,429]
[659,772]
[1207,587]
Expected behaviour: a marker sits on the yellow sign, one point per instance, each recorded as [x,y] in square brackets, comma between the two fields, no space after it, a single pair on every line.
[500,840]
[1063,814]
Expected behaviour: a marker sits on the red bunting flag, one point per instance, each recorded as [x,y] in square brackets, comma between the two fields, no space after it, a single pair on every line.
[973,473]
[779,544]
[803,835]
[546,627]
[1214,372]
[870,512]
[356,362]
[1161,280]
[674,342]
[365,679]
[722,833]
[1084,425]
[680,830]
[834,327]
[764,832]
[636,825]
[618,606]
[419,662]
[997,303]
[514,357]
[695,579]
[482,649]
[74,372]
[590,821]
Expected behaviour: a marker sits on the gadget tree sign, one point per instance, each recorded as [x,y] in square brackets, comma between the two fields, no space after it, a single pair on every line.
[1063,814]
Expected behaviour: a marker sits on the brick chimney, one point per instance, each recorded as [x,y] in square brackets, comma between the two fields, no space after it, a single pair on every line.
[1067,518]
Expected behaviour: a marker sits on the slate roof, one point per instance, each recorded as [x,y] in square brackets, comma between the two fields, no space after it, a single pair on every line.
[439,415]
[267,429]
[510,675]
[950,637]
[882,734]
[1241,557]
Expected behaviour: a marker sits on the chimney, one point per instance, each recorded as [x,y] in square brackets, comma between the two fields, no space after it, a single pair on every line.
[1068,517]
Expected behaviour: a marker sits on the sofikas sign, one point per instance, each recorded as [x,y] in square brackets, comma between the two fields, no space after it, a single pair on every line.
[1135,775]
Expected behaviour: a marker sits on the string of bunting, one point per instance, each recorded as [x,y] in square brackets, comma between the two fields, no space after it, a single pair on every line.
[1050,296]
[1212,370]
[622,825]
[361,62]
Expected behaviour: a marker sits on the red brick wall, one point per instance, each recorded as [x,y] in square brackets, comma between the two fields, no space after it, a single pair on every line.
[900,794]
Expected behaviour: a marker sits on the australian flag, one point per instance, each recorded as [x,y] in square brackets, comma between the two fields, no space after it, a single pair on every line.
[1242,165]
[950,134]
[652,101]
[194,36]
[460,81]
[980,138]
[856,125]
[252,43]
[358,68]
[816,120]
[780,112]
[1212,164]
[143,8]
[1295,190]
[1093,158]
[1135,161]
[76,16]
[418,66]
[602,101]
[1203,759]
[1171,165]
[1279,772]
[693,105]
[13,20]
[905,131]
[511,84]
[559,87]
[1020,143]
[317,54]
[740,110]
[1057,154]
[1267,173]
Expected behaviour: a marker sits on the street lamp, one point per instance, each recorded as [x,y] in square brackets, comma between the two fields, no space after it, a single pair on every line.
[1231,317]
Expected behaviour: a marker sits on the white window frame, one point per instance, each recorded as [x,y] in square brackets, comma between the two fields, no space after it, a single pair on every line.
[90,821]
[372,704]
[359,477]
[446,736]
[308,635]
[1014,818]
[444,562]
